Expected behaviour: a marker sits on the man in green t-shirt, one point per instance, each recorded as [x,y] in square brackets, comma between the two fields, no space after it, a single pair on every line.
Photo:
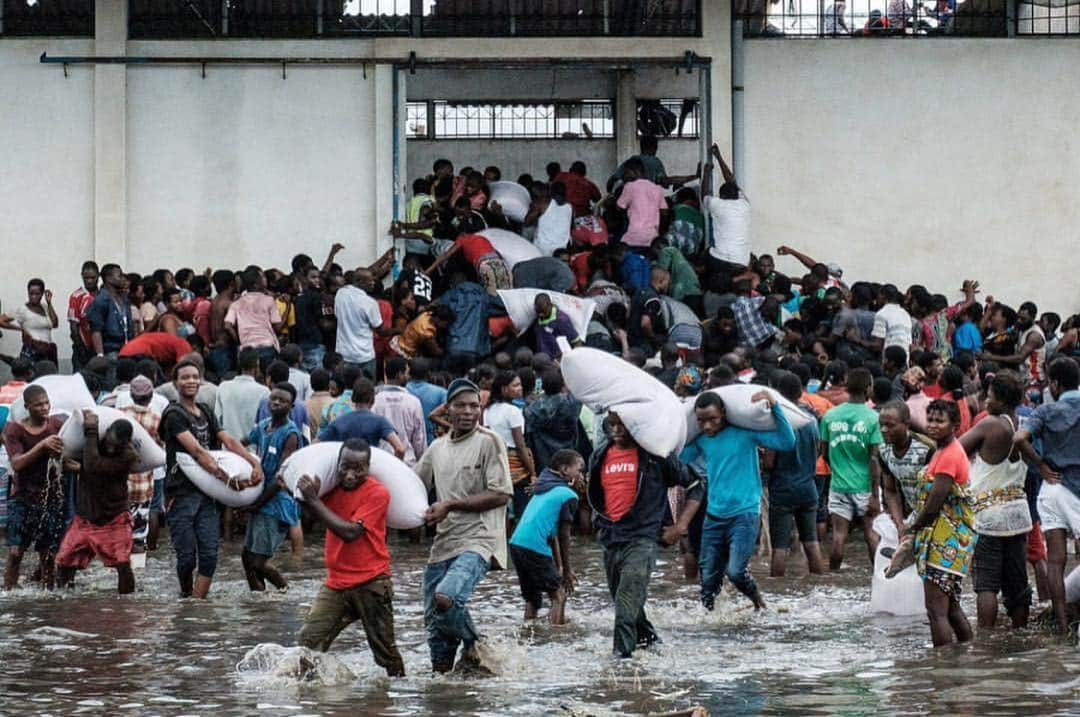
[850,436]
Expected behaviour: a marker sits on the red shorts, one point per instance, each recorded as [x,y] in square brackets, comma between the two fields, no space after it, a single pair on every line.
[1036,547]
[84,541]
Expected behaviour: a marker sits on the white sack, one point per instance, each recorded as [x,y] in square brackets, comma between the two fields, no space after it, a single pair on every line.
[237,469]
[151,455]
[67,395]
[740,411]
[512,197]
[899,595]
[651,412]
[511,247]
[408,496]
[520,309]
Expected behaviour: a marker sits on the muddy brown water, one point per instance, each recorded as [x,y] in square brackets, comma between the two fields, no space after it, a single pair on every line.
[818,650]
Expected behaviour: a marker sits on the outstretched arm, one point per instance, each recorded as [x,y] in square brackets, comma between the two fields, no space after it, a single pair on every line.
[806,260]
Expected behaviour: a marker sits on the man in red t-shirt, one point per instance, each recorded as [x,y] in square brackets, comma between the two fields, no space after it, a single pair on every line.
[580,192]
[357,583]
[78,304]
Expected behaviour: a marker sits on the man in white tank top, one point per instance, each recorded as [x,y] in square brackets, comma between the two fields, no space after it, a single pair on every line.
[1002,518]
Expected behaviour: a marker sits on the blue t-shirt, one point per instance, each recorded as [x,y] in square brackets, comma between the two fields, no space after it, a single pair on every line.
[298,414]
[431,397]
[731,459]
[270,443]
[791,482]
[967,338]
[540,521]
[372,427]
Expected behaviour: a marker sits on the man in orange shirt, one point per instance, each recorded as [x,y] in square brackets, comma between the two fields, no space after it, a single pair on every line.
[357,560]
[580,192]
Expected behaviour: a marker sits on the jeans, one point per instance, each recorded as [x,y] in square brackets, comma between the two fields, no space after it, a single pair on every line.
[456,579]
[267,354]
[194,531]
[368,367]
[313,356]
[628,567]
[221,360]
[726,547]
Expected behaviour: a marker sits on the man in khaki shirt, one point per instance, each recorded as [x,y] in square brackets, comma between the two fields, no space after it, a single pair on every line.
[469,471]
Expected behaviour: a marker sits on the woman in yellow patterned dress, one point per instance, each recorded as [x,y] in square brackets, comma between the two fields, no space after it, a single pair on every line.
[944,527]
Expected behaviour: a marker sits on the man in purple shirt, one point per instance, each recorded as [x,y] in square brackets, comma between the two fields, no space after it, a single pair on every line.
[550,325]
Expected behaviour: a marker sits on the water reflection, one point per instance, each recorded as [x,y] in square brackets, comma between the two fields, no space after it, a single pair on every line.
[818,650]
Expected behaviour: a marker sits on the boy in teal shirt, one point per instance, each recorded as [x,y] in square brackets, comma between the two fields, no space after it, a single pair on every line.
[550,513]
[850,437]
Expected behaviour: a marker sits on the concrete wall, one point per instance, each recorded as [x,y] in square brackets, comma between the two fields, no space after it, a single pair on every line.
[47,191]
[923,162]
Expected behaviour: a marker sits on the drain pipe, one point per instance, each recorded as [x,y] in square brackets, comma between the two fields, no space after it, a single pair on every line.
[738,147]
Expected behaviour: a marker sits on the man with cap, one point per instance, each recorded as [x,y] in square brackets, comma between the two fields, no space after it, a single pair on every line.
[146,491]
[469,471]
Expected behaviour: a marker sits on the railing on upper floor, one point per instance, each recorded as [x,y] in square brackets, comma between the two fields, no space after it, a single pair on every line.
[191,19]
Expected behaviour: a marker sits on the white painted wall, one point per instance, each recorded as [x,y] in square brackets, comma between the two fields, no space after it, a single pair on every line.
[245,167]
[923,162]
[47,191]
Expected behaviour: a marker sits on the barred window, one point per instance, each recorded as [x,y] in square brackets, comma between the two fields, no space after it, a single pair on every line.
[71,18]
[1048,17]
[874,18]
[447,119]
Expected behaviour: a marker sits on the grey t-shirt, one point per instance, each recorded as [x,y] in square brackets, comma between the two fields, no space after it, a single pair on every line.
[460,468]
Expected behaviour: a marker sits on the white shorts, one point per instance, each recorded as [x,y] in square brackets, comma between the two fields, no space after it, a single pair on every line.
[1059,509]
[848,505]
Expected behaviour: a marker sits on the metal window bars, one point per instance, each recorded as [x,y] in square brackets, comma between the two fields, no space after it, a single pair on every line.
[167,19]
[1048,17]
[873,18]
[61,18]
[443,119]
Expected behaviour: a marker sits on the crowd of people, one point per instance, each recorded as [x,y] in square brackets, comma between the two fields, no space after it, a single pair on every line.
[959,420]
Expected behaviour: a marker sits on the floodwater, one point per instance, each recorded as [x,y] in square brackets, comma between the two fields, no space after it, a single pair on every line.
[817,650]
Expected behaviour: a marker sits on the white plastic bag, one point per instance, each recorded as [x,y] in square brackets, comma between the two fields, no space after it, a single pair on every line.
[520,309]
[900,595]
[512,197]
[237,469]
[511,247]
[740,411]
[408,496]
[151,455]
[651,412]
[67,394]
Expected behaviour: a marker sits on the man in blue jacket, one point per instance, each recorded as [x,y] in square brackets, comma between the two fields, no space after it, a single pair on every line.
[734,499]
[628,490]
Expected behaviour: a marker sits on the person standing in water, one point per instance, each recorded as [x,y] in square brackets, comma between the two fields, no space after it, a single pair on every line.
[628,494]
[1002,518]
[943,528]
[734,500]
[102,526]
[469,471]
[275,512]
[548,518]
[357,585]
[192,516]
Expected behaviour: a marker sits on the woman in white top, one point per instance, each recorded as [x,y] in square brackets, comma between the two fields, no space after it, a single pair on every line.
[507,420]
[36,322]
[553,217]
[1002,518]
